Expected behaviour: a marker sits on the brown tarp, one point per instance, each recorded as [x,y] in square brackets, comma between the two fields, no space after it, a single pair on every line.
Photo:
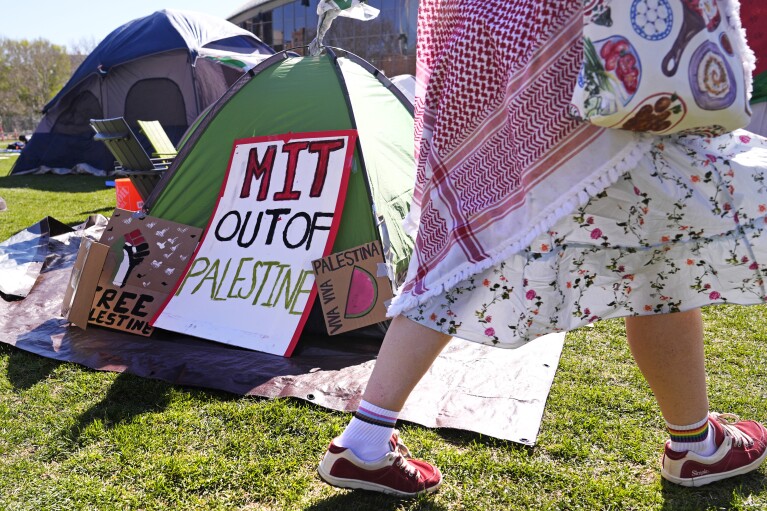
[499,393]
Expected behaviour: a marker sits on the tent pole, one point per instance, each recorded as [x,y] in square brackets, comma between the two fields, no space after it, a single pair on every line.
[193,66]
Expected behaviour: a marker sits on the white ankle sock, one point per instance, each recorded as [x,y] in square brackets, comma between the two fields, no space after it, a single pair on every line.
[369,432]
[705,446]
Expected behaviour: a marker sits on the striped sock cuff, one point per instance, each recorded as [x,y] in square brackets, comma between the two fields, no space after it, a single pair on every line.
[697,432]
[372,414]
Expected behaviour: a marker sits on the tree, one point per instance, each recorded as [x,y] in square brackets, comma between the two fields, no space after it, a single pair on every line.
[79,50]
[31,73]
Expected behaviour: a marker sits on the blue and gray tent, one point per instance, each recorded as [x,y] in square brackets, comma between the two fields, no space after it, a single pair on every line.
[168,66]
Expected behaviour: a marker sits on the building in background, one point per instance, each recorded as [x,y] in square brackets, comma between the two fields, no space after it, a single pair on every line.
[387,42]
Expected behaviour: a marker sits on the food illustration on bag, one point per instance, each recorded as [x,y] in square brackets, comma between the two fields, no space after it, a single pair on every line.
[597,12]
[724,41]
[610,75]
[662,66]
[711,78]
[657,113]
[697,15]
[652,19]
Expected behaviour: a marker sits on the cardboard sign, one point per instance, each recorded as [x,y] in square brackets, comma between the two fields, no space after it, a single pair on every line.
[352,290]
[83,280]
[121,281]
[278,210]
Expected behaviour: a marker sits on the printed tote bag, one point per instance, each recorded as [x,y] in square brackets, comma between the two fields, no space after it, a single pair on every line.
[664,66]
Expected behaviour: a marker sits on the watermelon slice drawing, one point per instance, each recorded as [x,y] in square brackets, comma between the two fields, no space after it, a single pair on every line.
[363,294]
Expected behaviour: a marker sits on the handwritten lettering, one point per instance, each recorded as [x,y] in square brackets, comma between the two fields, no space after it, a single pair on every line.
[333,320]
[346,258]
[121,309]
[294,231]
[263,283]
[327,293]
[263,168]
[122,302]
[257,170]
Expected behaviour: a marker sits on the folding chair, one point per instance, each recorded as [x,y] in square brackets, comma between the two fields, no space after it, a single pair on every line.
[143,171]
[154,132]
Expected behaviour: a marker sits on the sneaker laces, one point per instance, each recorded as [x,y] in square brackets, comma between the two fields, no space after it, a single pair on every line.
[399,455]
[400,462]
[728,422]
[399,447]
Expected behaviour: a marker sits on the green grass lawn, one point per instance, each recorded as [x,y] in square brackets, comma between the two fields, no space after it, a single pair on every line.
[72,438]
[69,199]
[6,160]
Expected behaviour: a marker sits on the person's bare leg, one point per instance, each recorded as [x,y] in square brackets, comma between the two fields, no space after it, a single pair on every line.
[407,352]
[668,348]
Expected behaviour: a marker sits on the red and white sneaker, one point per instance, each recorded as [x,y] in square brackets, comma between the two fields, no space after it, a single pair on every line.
[742,448]
[396,473]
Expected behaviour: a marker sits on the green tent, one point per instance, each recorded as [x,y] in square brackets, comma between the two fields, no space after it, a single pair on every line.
[292,94]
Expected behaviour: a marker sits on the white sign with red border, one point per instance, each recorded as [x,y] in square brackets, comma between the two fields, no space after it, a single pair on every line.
[250,282]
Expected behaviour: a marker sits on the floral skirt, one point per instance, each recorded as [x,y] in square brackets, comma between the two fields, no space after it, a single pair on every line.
[687,227]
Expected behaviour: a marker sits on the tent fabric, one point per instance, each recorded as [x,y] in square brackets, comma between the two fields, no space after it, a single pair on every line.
[160,32]
[306,94]
[500,393]
[168,66]
[406,84]
[388,152]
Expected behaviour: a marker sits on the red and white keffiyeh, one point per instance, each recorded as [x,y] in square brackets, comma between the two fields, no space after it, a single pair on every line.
[499,158]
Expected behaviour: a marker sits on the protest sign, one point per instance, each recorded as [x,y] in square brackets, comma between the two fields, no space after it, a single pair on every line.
[353,287]
[120,281]
[250,283]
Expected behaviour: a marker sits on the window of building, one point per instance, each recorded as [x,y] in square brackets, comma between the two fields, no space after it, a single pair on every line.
[387,42]
[278,35]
